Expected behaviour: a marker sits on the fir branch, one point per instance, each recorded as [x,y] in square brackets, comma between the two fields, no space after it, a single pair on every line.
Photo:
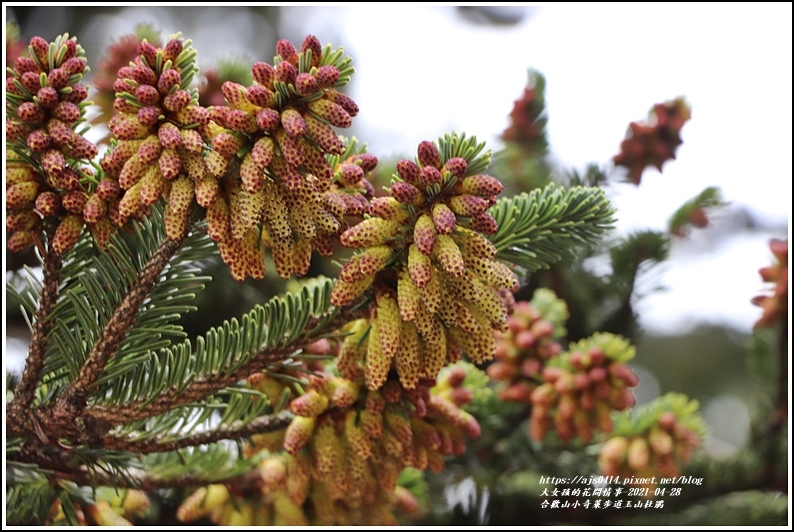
[220,357]
[64,418]
[198,466]
[141,481]
[235,431]
[92,423]
[107,467]
[28,495]
[266,336]
[202,387]
[73,399]
[25,390]
[539,228]
[245,482]
[631,258]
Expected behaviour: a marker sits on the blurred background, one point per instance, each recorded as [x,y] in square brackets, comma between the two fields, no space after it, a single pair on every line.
[424,71]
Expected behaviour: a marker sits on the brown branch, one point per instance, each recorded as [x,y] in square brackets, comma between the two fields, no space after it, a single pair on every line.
[19,421]
[65,418]
[196,391]
[57,468]
[58,463]
[202,387]
[72,401]
[25,390]
[92,424]
[246,482]
[235,431]
[59,460]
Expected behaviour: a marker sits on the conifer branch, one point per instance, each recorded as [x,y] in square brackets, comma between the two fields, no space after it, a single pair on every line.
[25,390]
[196,391]
[539,228]
[76,422]
[73,398]
[235,431]
[203,387]
[58,468]
[142,481]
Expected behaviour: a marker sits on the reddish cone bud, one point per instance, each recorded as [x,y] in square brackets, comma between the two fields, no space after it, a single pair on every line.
[79,93]
[168,79]
[57,78]
[48,203]
[344,101]
[177,101]
[30,112]
[305,84]
[47,97]
[172,49]
[406,193]
[310,42]
[260,96]
[287,51]
[429,176]
[428,155]
[456,166]
[264,74]
[268,119]
[39,140]
[25,64]
[327,76]
[667,421]
[286,72]
[409,171]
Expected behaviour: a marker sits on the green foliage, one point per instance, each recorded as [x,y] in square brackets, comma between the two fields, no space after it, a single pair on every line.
[236,70]
[414,481]
[475,380]
[762,370]
[207,463]
[529,118]
[498,417]
[28,494]
[614,347]
[709,198]
[635,254]
[454,145]
[94,285]
[539,228]
[147,31]
[592,176]
[24,289]
[639,420]
[750,508]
